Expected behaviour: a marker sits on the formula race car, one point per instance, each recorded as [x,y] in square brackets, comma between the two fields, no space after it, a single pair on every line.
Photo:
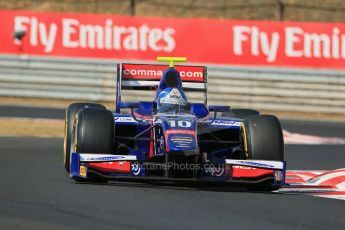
[171,138]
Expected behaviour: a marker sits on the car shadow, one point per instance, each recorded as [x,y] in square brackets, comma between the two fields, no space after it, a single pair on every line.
[178,186]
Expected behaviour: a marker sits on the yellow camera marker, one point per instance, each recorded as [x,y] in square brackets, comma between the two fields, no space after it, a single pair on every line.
[171,60]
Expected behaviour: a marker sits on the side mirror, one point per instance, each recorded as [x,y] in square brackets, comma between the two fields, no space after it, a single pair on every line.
[219,108]
[129,105]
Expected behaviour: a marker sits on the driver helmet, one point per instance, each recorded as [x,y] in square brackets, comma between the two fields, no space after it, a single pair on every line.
[171,100]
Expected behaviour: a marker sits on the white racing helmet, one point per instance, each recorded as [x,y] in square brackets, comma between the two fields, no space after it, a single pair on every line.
[171,100]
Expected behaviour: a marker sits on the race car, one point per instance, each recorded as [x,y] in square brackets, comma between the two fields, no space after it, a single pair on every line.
[171,138]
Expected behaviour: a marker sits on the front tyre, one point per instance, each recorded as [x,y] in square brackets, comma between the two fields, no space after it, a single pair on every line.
[263,140]
[71,113]
[93,133]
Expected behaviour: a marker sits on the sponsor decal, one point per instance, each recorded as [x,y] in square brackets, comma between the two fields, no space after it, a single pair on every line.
[215,171]
[101,33]
[142,73]
[172,100]
[161,143]
[178,131]
[82,171]
[175,93]
[256,164]
[155,72]
[226,123]
[124,119]
[182,139]
[87,157]
[294,44]
[136,168]
[110,158]
[242,167]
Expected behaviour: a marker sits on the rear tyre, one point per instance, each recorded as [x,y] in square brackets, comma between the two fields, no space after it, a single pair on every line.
[240,113]
[263,140]
[71,113]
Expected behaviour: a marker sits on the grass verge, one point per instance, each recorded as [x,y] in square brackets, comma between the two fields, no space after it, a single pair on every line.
[27,127]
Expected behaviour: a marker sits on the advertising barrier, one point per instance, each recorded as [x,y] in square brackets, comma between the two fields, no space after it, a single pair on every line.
[214,41]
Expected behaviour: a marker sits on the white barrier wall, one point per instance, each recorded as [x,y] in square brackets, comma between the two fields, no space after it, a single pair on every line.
[277,89]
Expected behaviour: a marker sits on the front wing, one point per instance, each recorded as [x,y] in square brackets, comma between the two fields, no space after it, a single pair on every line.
[128,167]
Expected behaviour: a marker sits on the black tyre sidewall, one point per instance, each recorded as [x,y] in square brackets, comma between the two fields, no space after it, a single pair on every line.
[70,116]
[94,131]
[264,138]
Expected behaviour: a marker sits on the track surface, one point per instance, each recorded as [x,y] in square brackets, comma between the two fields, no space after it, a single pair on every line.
[36,193]
[31,112]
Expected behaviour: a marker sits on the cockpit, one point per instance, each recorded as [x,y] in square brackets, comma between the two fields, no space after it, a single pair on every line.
[170,97]
[171,100]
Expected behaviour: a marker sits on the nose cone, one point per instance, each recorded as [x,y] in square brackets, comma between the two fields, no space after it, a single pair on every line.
[180,135]
[181,142]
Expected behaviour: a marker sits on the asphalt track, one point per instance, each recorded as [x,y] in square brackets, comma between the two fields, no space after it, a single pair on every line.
[36,193]
[31,112]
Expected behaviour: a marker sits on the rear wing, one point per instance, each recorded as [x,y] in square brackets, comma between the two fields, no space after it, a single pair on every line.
[147,77]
